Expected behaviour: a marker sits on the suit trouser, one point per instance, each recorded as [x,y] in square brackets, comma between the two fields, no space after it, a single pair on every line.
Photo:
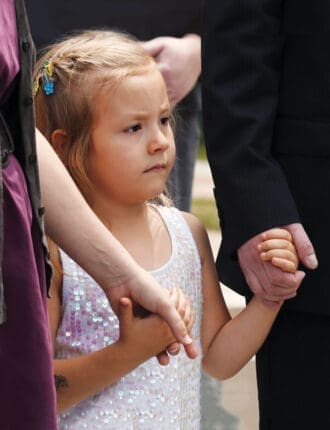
[293,372]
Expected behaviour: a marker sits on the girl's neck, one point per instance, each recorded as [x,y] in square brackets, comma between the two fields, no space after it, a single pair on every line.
[117,216]
[140,230]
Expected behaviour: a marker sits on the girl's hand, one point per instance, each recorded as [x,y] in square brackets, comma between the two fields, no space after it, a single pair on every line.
[277,247]
[143,337]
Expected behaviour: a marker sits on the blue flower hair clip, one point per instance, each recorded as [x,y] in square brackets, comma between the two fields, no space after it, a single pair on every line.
[46,78]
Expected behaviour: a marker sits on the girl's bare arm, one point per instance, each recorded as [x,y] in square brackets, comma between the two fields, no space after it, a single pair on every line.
[228,344]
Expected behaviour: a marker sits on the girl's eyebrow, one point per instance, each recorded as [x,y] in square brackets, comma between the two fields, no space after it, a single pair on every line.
[141,115]
[137,115]
[166,109]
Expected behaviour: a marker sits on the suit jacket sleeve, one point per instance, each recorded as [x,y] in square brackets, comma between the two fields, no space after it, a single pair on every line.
[242,45]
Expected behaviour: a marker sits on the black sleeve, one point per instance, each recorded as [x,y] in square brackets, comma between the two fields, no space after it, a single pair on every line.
[241,47]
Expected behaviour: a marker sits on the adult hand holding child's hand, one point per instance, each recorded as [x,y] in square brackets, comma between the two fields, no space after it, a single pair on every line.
[267,279]
[172,307]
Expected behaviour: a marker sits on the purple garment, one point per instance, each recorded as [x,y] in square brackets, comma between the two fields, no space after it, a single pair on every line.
[9,57]
[27,394]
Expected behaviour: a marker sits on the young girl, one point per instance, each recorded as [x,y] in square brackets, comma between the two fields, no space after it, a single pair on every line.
[103,104]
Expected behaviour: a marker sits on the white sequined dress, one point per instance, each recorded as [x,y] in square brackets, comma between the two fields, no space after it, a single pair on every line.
[151,397]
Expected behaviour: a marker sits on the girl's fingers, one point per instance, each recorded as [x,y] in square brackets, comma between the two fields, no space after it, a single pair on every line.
[163,358]
[174,348]
[191,321]
[280,253]
[174,295]
[125,310]
[267,245]
[125,315]
[284,264]
[181,304]
[276,233]
[189,315]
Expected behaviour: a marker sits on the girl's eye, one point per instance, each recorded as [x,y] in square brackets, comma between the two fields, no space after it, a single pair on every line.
[165,120]
[133,128]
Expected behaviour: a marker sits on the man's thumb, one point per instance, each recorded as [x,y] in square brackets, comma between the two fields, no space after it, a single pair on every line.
[303,245]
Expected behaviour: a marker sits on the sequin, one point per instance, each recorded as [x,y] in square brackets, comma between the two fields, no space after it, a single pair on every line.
[152,396]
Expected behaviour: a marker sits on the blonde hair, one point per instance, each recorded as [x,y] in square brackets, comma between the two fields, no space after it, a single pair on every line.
[80,67]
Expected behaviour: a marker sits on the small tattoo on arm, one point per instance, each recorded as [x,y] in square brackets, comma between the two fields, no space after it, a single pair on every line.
[61,382]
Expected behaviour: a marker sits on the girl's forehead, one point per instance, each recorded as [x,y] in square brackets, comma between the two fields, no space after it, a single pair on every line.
[133,87]
[136,96]
[109,82]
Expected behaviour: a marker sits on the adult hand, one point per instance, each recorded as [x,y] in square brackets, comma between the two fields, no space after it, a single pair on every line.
[303,245]
[179,61]
[266,281]
[184,307]
[144,290]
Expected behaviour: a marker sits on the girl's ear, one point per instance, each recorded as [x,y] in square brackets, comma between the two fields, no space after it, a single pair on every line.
[59,141]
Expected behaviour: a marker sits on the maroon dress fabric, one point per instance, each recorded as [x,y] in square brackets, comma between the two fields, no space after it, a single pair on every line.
[27,397]
[27,394]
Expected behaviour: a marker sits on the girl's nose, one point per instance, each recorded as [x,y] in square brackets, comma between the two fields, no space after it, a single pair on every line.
[158,142]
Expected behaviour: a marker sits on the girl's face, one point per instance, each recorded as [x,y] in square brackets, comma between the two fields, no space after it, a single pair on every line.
[132,151]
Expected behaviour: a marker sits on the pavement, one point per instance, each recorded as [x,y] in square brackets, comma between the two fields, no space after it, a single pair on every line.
[232,404]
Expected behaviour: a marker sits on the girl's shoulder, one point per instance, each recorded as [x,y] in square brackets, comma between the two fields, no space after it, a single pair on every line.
[198,231]
[196,227]
[172,215]
[194,223]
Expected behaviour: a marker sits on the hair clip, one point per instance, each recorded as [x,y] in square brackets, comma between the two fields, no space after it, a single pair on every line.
[46,77]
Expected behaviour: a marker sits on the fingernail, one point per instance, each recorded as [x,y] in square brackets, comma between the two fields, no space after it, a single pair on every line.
[187,340]
[311,261]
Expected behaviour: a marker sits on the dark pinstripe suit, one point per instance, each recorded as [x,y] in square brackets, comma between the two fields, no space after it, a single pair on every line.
[266,94]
